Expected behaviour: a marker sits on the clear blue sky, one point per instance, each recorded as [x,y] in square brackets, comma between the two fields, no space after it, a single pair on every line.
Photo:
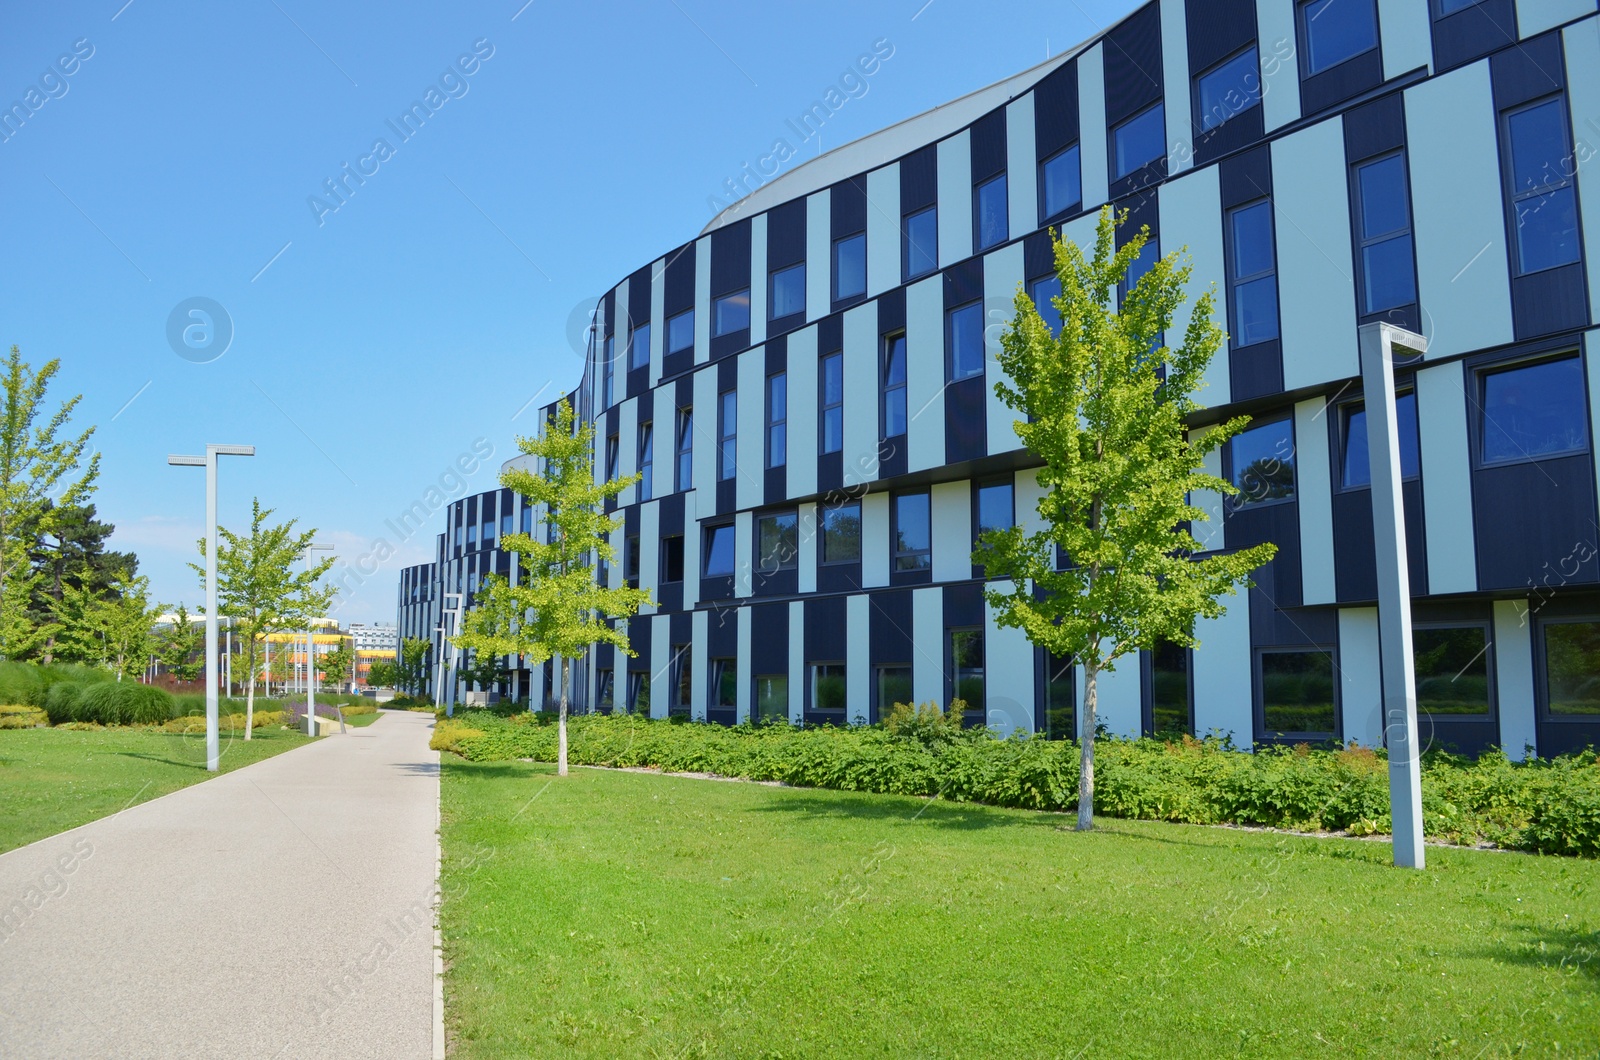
[177,160]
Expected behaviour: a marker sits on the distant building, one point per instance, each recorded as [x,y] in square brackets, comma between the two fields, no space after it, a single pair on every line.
[381,637]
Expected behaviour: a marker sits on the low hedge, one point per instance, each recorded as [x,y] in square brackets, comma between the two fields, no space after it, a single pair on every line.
[108,703]
[192,723]
[1546,806]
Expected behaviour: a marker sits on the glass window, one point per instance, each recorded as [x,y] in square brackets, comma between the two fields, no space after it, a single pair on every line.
[638,692]
[1060,183]
[777,542]
[966,669]
[1542,195]
[1534,410]
[603,690]
[685,448]
[841,534]
[725,682]
[1140,140]
[850,267]
[1263,464]
[505,523]
[1231,88]
[893,686]
[1389,279]
[647,459]
[913,541]
[827,686]
[630,558]
[788,292]
[920,255]
[831,381]
[894,385]
[995,510]
[1169,689]
[609,375]
[1338,30]
[719,551]
[613,448]
[1452,670]
[1254,262]
[1572,669]
[680,331]
[527,519]
[731,313]
[1060,698]
[672,558]
[989,212]
[778,419]
[472,536]
[727,434]
[1044,291]
[1356,467]
[964,340]
[772,697]
[639,344]
[1297,692]
[682,680]
[1450,7]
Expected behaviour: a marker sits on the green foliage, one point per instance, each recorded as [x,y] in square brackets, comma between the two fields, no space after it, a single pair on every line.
[115,630]
[108,703]
[413,656]
[1106,405]
[337,664]
[926,723]
[1552,807]
[43,476]
[182,647]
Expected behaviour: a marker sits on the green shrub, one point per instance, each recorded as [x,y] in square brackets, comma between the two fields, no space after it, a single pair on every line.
[1551,807]
[120,703]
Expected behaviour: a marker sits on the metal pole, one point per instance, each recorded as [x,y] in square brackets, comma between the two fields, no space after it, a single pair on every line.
[1377,343]
[213,746]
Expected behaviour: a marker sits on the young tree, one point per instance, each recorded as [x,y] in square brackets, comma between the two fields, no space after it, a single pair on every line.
[263,587]
[71,550]
[182,647]
[383,673]
[484,670]
[39,460]
[1120,469]
[337,664]
[413,658]
[115,631]
[558,610]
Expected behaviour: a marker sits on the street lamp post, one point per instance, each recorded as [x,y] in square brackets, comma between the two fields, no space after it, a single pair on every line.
[453,614]
[209,462]
[311,656]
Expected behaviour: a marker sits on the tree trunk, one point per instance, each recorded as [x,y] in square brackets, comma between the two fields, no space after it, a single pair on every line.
[1091,677]
[561,767]
[250,693]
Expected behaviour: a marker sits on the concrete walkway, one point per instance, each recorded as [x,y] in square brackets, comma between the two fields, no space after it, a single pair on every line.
[284,910]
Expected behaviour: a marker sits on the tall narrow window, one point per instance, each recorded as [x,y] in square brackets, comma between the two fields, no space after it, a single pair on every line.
[1336,31]
[777,542]
[1387,268]
[731,313]
[719,551]
[788,292]
[772,698]
[831,383]
[647,459]
[989,213]
[894,385]
[1230,88]
[682,681]
[920,254]
[680,331]
[893,687]
[913,538]
[1540,171]
[1169,689]
[672,558]
[1355,468]
[1253,262]
[630,559]
[1060,698]
[725,682]
[828,686]
[966,669]
[727,434]
[1263,464]
[613,447]
[841,534]
[1060,183]
[639,346]
[638,692]
[685,448]
[778,419]
[1044,292]
[1139,141]
[850,267]
[964,340]
[994,506]
[609,373]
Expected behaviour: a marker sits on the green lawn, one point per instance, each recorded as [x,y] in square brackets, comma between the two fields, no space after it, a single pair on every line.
[624,914]
[55,779]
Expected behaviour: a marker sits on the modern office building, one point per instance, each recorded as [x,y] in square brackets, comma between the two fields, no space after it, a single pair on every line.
[807,386]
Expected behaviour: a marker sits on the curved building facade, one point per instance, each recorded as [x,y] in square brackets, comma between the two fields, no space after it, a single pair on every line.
[807,387]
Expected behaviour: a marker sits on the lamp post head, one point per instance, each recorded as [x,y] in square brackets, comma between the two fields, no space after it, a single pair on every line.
[186,461]
[231,450]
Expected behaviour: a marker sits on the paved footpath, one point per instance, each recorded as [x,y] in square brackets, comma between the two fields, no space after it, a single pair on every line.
[285,910]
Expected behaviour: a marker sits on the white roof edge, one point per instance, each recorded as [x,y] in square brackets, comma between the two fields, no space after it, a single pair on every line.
[887,144]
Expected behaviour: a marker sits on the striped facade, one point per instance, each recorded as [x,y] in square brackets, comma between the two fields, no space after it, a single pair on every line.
[809,384]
